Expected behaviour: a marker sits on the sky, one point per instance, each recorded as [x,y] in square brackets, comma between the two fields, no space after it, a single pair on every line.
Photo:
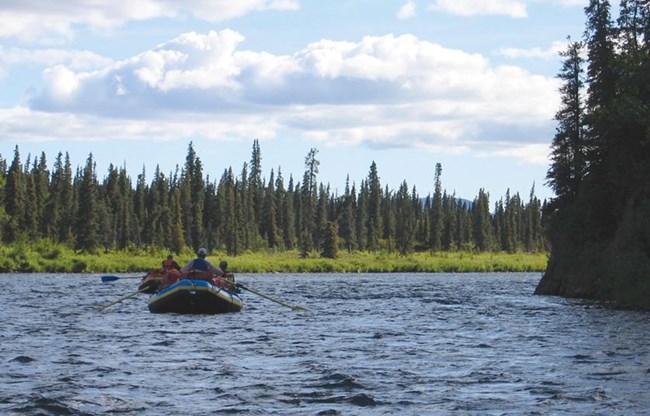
[407,84]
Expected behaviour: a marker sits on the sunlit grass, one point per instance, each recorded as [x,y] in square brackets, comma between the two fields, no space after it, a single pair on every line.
[44,256]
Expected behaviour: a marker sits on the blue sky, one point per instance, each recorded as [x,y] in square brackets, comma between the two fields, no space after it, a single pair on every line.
[407,84]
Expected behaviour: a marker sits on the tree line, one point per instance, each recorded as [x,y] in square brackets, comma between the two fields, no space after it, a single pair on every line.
[250,212]
[600,167]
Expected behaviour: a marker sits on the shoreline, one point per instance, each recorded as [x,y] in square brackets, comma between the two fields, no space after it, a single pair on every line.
[49,258]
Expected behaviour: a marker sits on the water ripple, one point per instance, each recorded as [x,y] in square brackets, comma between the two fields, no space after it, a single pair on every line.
[470,344]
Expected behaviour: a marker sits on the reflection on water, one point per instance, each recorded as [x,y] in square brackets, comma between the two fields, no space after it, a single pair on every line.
[370,344]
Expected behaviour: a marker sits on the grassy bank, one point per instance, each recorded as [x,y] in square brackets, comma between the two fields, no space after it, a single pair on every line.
[51,258]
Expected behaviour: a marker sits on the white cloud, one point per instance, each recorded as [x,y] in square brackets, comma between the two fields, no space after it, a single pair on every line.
[550,52]
[536,154]
[387,91]
[570,3]
[75,60]
[53,22]
[512,8]
[407,11]
[21,124]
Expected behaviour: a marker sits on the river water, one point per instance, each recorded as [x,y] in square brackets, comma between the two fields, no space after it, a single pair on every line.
[369,344]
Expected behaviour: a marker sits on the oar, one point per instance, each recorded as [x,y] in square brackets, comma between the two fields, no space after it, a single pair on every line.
[114,278]
[101,308]
[294,308]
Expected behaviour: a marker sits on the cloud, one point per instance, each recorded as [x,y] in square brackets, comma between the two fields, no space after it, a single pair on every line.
[45,21]
[407,11]
[382,91]
[21,124]
[535,154]
[512,8]
[548,53]
[570,3]
[48,57]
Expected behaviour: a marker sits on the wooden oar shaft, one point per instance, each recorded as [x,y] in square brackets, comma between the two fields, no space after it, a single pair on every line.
[295,308]
[130,295]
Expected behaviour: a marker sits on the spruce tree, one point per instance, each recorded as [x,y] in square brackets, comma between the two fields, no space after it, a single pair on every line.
[289,214]
[362,217]
[308,199]
[42,189]
[330,246]
[374,222]
[388,219]
[15,199]
[270,229]
[347,228]
[436,212]
[569,147]
[87,225]
[482,227]
[177,238]
[405,222]
[256,187]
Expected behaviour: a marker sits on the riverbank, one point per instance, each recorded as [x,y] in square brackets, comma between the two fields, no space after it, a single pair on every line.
[43,257]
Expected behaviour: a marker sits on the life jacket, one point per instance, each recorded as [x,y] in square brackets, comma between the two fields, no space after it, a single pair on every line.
[200,264]
[171,277]
[168,264]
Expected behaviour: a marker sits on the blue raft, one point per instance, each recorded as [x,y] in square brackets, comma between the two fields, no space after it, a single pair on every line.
[193,296]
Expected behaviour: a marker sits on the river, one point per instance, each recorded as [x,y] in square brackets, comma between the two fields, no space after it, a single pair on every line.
[368,344]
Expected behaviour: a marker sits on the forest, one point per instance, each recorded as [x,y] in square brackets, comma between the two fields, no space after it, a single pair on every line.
[598,223]
[249,212]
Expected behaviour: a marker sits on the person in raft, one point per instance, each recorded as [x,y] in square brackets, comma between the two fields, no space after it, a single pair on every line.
[170,263]
[200,268]
[227,274]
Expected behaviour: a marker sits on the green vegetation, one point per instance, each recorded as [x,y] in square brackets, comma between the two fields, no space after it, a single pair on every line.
[598,223]
[50,258]
[245,213]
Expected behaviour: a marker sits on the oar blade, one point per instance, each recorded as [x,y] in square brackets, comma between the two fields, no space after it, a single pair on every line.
[109,279]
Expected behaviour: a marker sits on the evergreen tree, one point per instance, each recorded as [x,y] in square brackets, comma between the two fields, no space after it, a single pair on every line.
[126,227]
[483,238]
[601,78]
[362,216]
[405,226]
[388,216]
[140,210]
[15,199]
[289,214]
[270,229]
[112,196]
[281,214]
[450,213]
[177,238]
[210,213]
[256,186]
[347,227]
[330,246]
[436,212]
[158,205]
[41,187]
[308,196]
[67,202]
[533,224]
[374,208]
[87,214]
[569,147]
[248,225]
[321,216]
